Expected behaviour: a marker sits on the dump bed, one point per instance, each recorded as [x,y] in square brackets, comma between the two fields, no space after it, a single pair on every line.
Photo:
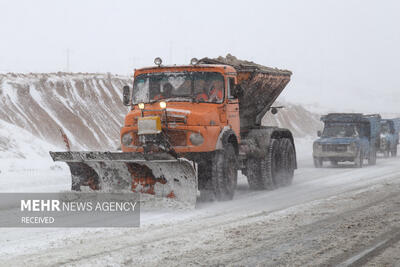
[261,86]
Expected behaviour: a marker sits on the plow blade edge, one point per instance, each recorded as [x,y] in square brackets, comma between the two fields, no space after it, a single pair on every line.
[159,174]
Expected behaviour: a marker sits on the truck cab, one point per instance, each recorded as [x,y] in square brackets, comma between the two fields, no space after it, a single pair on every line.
[389,137]
[193,104]
[346,137]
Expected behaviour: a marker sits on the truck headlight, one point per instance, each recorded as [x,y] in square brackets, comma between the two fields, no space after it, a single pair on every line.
[317,146]
[141,105]
[127,139]
[196,139]
[163,104]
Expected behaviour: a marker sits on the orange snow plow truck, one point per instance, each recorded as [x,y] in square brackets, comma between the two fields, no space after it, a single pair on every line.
[190,129]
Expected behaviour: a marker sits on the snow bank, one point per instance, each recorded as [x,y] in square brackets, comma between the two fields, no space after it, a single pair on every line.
[86,106]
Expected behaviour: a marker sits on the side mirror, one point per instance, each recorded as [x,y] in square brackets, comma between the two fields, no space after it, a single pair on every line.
[319,133]
[126,91]
[237,91]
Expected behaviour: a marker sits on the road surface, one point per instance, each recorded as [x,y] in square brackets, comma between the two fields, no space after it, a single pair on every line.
[331,216]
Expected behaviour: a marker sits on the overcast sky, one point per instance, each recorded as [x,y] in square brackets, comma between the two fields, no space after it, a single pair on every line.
[344,54]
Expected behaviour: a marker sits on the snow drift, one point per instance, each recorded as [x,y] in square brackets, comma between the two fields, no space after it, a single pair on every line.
[87,107]
[300,121]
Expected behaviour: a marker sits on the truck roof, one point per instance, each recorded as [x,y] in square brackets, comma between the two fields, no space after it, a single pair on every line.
[343,117]
[205,67]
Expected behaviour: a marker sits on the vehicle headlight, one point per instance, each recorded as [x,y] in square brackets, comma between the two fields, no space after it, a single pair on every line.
[127,139]
[317,146]
[163,104]
[141,105]
[158,61]
[196,139]
[353,146]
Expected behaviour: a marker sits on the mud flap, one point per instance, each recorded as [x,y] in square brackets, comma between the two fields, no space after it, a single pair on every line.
[158,175]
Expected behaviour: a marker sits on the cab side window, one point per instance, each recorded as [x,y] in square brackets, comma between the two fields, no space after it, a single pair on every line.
[231,87]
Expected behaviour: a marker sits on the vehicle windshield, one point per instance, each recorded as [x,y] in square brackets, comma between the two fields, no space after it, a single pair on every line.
[385,129]
[341,130]
[179,86]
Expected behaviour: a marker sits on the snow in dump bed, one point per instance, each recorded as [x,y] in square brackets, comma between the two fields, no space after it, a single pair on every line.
[243,64]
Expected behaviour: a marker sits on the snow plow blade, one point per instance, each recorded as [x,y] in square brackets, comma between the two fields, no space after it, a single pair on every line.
[159,175]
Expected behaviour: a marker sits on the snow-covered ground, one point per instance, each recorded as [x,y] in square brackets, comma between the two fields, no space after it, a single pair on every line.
[213,233]
[25,164]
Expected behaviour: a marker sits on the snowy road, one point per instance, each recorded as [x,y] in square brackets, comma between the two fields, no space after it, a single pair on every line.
[327,216]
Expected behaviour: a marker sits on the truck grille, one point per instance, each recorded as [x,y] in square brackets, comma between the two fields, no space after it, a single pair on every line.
[334,148]
[171,119]
[177,138]
[175,119]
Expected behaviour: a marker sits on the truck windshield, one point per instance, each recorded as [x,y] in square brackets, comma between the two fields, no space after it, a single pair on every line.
[179,86]
[385,129]
[340,130]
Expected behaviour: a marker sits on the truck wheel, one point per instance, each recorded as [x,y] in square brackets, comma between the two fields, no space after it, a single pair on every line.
[271,166]
[358,160]
[372,157]
[334,163]
[318,162]
[386,153]
[253,174]
[261,171]
[394,152]
[204,181]
[224,173]
[287,162]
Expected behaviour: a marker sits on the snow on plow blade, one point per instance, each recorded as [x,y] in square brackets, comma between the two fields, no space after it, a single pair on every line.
[159,174]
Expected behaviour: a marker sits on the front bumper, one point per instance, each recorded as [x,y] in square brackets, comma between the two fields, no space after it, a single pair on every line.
[335,151]
[334,154]
[209,133]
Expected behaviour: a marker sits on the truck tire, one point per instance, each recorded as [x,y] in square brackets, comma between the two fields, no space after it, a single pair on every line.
[270,166]
[287,162]
[318,162]
[253,174]
[359,160]
[204,181]
[334,163]
[394,152]
[386,152]
[224,173]
[261,171]
[372,157]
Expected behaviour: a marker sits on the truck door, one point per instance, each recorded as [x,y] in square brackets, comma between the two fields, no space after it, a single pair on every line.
[232,108]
